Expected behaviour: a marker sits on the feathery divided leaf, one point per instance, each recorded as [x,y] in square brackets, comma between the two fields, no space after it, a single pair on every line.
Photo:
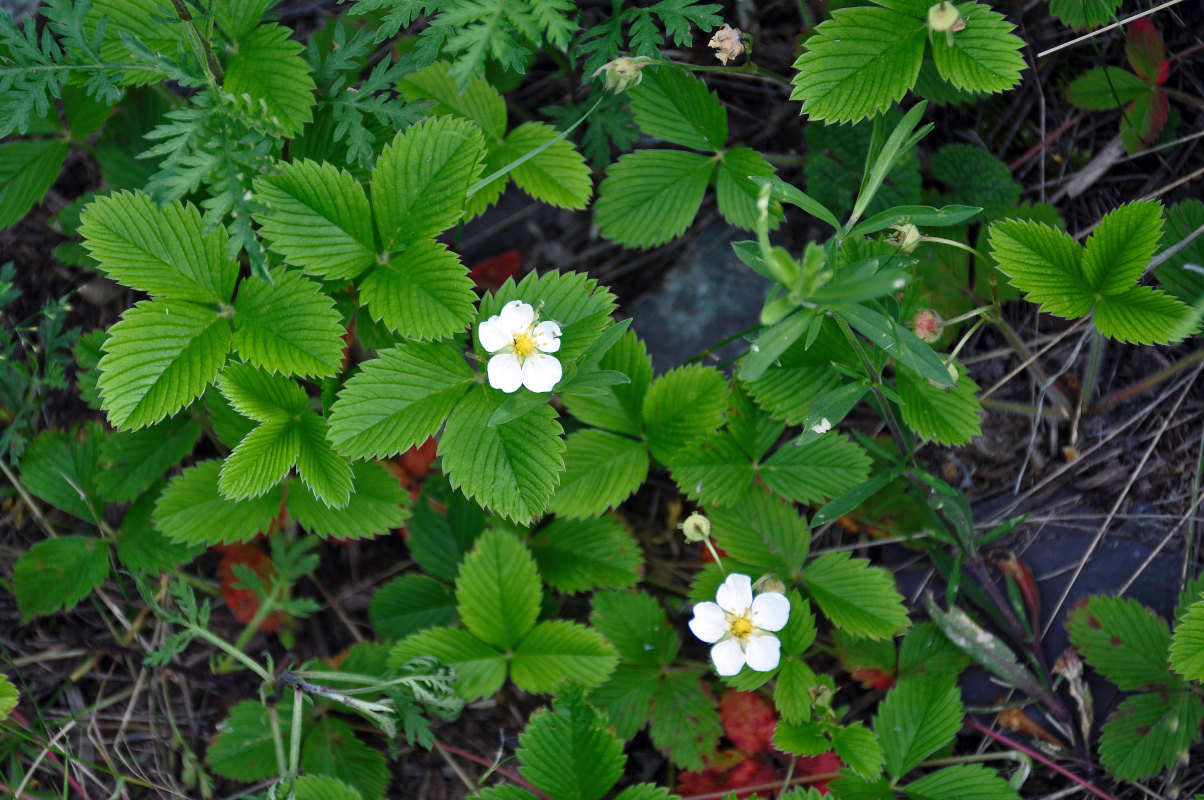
[267,68]
[480,669]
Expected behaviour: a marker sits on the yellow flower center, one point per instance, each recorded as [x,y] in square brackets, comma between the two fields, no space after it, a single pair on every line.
[523,345]
[742,626]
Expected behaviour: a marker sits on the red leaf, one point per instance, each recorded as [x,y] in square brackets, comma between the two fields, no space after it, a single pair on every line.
[1019,573]
[727,773]
[821,764]
[243,603]
[1143,45]
[417,460]
[748,721]
[873,677]
[493,272]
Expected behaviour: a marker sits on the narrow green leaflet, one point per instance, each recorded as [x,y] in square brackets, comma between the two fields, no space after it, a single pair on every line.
[289,325]
[512,468]
[917,718]
[398,400]
[410,604]
[1125,641]
[898,342]
[267,67]
[582,555]
[378,502]
[65,471]
[1149,733]
[601,470]
[420,185]
[855,596]
[985,54]
[947,416]
[558,176]
[763,532]
[317,217]
[332,748]
[672,105]
[423,292]
[480,669]
[636,626]
[567,753]
[961,782]
[162,251]
[133,460]
[497,590]
[559,651]
[158,359]
[191,510]
[58,573]
[682,404]
[650,197]
[816,470]
[857,63]
[1187,645]
[27,170]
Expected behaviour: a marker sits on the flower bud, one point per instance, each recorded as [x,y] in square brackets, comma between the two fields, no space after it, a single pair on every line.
[905,237]
[769,582]
[622,72]
[944,18]
[927,325]
[696,528]
[728,43]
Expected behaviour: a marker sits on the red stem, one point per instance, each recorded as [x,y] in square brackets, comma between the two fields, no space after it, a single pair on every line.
[50,756]
[513,776]
[767,786]
[1036,756]
[1041,145]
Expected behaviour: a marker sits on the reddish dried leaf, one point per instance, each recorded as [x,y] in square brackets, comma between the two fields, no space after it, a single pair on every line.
[873,677]
[243,603]
[1015,719]
[1143,46]
[822,764]
[1019,572]
[723,776]
[417,460]
[493,272]
[748,721]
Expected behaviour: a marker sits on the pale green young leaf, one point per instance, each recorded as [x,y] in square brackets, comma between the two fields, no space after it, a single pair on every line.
[857,63]
[937,414]
[1121,246]
[636,625]
[1084,13]
[619,408]
[133,460]
[1149,733]
[961,782]
[811,471]
[1105,88]
[324,472]
[27,169]
[410,604]
[976,178]
[162,251]
[288,326]
[558,176]
[650,197]
[497,590]
[763,532]
[57,573]
[8,698]
[266,66]
[682,404]
[480,669]
[1187,645]
[672,105]
[583,555]
[158,359]
[260,461]
[574,300]
[143,549]
[1043,262]
[317,217]
[860,750]
[713,469]
[737,194]
[985,54]
[567,753]
[420,185]
[261,396]
[423,292]
[917,718]
[192,511]
[398,400]
[65,471]
[1125,641]
[244,748]
[477,100]
[601,470]
[855,596]
[559,651]
[512,468]
[332,748]
[323,787]
[378,503]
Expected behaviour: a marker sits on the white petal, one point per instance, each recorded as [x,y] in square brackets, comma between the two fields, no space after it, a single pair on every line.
[709,622]
[547,336]
[728,657]
[541,373]
[517,316]
[735,595]
[770,611]
[764,652]
[505,372]
[493,334]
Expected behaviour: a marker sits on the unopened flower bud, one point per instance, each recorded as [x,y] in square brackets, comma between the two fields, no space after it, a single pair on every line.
[944,18]
[905,237]
[622,72]
[696,528]
[927,325]
[728,43]
[769,582]
[821,697]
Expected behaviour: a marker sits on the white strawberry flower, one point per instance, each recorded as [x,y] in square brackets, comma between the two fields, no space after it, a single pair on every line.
[741,626]
[521,347]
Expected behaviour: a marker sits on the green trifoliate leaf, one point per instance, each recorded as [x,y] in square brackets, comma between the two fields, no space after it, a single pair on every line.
[58,573]
[815,470]
[763,532]
[558,176]
[8,698]
[317,217]
[984,56]
[857,63]
[323,787]
[134,460]
[162,251]
[332,748]
[601,470]
[672,105]
[582,555]
[158,359]
[682,404]
[259,395]
[1043,262]
[753,430]
[713,469]
[410,604]
[511,468]
[1150,732]
[976,178]
[27,170]
[1181,220]
[567,753]
[288,326]
[650,197]
[420,185]
[378,502]
[1084,13]
[498,591]
[423,292]
[191,510]
[398,400]
[65,471]
[1187,646]
[477,100]
[961,782]
[855,596]
[619,408]
[635,624]
[1105,88]
[917,718]
[480,669]
[1125,641]
[629,698]
[804,738]
[859,748]
[267,67]
[559,651]
[1121,246]
[937,414]
[737,195]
